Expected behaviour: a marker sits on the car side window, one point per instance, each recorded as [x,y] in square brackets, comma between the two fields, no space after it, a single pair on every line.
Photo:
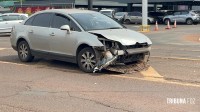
[59,20]
[5,17]
[138,14]
[184,13]
[74,27]
[42,20]
[177,13]
[13,17]
[22,17]
[29,21]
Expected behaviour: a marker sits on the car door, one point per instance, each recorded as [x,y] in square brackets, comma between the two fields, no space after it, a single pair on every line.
[38,32]
[4,22]
[62,43]
[176,16]
[133,17]
[183,16]
[138,17]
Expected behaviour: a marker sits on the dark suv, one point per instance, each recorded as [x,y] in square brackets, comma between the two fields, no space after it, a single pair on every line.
[158,16]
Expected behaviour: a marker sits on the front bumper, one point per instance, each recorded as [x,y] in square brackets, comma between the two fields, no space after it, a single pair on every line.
[133,51]
[120,56]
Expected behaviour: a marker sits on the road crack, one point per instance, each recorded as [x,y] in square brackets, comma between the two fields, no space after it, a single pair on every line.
[99,103]
[15,107]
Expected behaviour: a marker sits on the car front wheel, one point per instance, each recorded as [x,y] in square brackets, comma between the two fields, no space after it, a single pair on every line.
[24,52]
[87,60]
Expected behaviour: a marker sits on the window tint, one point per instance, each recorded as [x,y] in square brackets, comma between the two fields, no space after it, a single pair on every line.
[177,13]
[42,20]
[5,17]
[29,21]
[138,14]
[59,20]
[130,14]
[74,27]
[184,13]
[22,17]
[13,17]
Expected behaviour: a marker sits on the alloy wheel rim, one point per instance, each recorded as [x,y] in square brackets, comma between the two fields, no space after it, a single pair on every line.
[88,60]
[23,51]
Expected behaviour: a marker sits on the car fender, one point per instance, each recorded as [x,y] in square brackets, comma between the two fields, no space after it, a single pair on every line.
[88,39]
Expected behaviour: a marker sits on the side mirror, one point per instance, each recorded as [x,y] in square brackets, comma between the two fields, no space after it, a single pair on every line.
[66,27]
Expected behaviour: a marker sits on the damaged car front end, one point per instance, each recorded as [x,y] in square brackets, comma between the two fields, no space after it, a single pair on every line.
[114,53]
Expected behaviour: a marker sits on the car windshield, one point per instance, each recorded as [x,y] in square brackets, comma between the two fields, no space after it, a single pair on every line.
[95,21]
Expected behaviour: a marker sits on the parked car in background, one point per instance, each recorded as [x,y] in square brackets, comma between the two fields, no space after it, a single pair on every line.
[119,16]
[188,17]
[8,20]
[158,16]
[90,39]
[136,17]
[108,12]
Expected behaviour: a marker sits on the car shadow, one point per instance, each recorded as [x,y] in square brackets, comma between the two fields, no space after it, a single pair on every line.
[55,65]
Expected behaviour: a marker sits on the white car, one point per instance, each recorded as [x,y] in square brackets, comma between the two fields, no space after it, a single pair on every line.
[87,38]
[8,20]
[108,12]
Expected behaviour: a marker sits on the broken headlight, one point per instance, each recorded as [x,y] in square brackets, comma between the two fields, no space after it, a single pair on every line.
[109,44]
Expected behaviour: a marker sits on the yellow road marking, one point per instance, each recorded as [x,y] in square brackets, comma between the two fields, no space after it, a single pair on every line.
[152,75]
[177,58]
[176,49]
[151,72]
[5,62]
[158,80]
[4,48]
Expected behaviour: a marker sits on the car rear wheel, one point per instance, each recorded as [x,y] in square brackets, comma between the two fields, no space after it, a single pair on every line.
[189,21]
[127,21]
[24,52]
[87,60]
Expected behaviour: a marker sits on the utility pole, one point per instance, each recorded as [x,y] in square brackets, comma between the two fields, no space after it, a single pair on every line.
[144,12]
[21,3]
[90,4]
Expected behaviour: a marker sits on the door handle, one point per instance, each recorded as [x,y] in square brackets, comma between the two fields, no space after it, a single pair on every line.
[52,34]
[31,31]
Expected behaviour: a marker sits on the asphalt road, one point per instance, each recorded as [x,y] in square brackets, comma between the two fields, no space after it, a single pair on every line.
[171,84]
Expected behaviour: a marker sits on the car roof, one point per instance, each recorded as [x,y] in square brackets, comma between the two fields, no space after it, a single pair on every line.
[107,10]
[67,11]
[14,14]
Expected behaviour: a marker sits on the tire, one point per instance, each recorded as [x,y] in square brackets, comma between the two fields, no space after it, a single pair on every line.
[127,21]
[189,21]
[24,52]
[87,60]
[166,21]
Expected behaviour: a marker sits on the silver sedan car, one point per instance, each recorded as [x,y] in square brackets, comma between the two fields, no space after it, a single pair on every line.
[87,38]
[7,20]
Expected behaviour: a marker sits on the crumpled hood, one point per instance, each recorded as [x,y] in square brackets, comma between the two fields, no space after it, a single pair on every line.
[124,36]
